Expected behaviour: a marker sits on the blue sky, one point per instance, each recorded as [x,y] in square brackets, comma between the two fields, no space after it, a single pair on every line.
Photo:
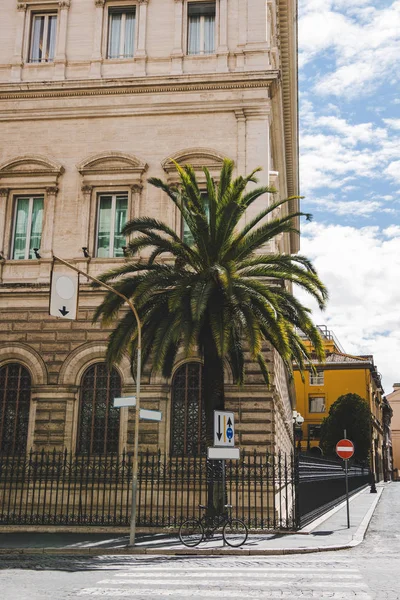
[349,82]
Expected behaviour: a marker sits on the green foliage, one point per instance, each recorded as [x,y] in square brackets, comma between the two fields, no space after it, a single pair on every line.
[222,294]
[352,413]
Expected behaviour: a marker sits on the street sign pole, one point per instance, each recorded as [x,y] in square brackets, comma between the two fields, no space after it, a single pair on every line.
[345,450]
[138,371]
[347,485]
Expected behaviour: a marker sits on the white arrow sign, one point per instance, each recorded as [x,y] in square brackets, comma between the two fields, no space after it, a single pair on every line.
[224,428]
[64,295]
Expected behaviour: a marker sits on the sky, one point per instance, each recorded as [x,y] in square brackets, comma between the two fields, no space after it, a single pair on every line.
[349,94]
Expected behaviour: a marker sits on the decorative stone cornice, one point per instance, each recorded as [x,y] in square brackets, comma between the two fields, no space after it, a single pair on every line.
[73,89]
[136,188]
[64,3]
[4,192]
[22,6]
[99,2]
[86,190]
[143,1]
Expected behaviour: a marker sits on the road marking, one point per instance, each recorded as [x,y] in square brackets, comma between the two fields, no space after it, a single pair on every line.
[175,581]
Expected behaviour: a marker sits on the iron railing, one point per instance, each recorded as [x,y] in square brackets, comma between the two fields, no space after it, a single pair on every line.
[321,485]
[268,491]
[59,488]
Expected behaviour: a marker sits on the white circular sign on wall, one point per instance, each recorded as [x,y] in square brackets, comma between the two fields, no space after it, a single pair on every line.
[65,287]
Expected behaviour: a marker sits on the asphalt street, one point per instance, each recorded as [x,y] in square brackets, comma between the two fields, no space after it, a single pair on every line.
[369,571]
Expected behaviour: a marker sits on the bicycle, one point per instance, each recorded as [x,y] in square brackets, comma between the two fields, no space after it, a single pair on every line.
[193,531]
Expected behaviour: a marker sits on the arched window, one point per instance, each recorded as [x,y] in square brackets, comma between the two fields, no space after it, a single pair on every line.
[15,399]
[188,428]
[98,431]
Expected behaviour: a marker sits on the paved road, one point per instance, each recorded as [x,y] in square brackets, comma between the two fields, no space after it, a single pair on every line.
[370,571]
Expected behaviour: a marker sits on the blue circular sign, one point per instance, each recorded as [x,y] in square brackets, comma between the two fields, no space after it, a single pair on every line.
[229,433]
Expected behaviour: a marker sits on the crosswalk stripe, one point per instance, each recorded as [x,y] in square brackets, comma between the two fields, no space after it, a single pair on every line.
[134,593]
[235,574]
[227,585]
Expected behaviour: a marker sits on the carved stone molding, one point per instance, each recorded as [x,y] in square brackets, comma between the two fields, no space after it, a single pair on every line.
[136,188]
[52,191]
[4,192]
[64,3]
[99,2]
[86,190]
[143,1]
[22,6]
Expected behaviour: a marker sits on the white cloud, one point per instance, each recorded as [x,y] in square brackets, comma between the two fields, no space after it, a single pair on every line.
[393,170]
[335,151]
[363,41]
[360,208]
[361,268]
[395,123]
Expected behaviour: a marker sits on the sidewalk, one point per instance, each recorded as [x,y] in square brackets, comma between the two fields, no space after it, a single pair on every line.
[329,532]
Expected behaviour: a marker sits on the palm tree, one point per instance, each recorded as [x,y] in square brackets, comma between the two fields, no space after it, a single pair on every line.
[218,296]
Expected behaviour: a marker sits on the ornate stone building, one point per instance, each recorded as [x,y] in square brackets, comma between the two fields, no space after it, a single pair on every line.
[95,97]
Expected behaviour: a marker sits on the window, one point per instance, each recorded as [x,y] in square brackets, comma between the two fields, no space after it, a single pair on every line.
[27,226]
[112,213]
[43,37]
[201,27]
[316,404]
[314,432]
[186,233]
[98,431]
[317,379]
[188,427]
[15,398]
[121,32]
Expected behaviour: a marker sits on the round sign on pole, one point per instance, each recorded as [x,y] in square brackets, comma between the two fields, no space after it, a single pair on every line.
[345,449]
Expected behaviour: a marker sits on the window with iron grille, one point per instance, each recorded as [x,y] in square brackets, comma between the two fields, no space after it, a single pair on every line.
[98,430]
[188,429]
[15,399]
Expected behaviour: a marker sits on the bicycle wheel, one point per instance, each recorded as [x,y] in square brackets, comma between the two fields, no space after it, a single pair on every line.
[235,533]
[191,532]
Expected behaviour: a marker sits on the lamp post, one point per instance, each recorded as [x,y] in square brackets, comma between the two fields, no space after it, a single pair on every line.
[132,534]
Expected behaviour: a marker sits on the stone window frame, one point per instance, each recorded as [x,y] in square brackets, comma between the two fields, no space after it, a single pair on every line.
[113,4]
[108,173]
[185,30]
[24,176]
[26,11]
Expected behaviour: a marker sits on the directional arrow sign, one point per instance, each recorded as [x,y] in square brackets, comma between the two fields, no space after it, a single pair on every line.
[224,428]
[64,295]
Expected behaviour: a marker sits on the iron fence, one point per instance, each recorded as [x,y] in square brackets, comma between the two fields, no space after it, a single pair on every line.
[60,488]
[321,485]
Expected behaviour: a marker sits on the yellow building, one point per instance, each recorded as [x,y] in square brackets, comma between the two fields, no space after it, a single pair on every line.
[340,374]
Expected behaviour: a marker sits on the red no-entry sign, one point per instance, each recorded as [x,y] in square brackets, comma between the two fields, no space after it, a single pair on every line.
[345,449]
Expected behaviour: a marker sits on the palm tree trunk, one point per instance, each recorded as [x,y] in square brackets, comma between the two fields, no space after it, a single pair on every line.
[213,394]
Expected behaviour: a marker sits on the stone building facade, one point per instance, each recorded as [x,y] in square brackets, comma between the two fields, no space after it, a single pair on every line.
[95,97]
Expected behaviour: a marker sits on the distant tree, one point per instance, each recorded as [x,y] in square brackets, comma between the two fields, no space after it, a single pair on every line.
[350,412]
